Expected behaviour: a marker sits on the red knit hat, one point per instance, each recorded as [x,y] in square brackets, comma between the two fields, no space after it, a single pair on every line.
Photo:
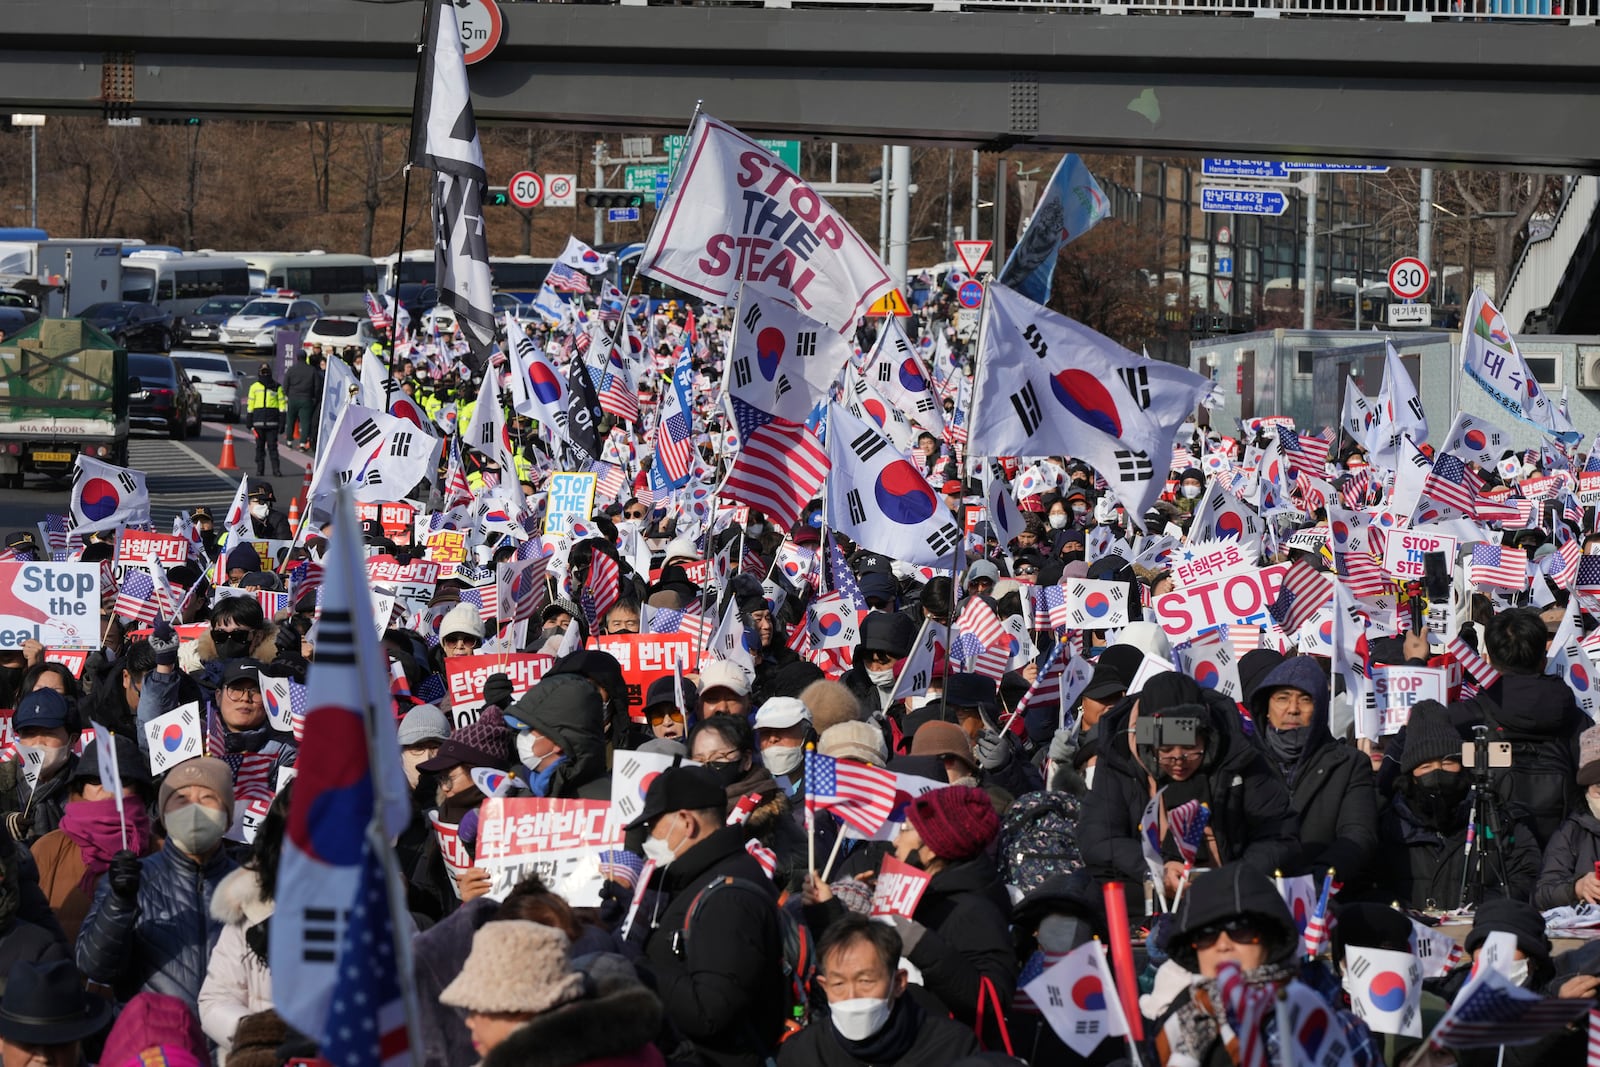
[956,822]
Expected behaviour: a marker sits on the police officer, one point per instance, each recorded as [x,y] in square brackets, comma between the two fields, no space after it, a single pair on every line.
[265,410]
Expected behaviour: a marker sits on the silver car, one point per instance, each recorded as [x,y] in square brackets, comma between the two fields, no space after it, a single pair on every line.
[222,389]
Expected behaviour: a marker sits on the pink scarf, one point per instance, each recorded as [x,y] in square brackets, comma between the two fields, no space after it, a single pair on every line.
[94,825]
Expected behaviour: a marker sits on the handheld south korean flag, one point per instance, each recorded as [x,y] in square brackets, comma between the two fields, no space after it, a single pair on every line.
[174,737]
[880,499]
[1096,605]
[105,496]
[1385,989]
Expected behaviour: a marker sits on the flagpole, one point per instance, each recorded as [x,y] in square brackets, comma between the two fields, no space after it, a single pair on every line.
[428,7]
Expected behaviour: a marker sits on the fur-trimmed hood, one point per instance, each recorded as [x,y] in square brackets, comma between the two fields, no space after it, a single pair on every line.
[613,1027]
[238,900]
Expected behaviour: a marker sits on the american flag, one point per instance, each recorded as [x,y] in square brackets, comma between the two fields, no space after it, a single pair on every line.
[844,579]
[366,1024]
[1317,928]
[978,619]
[136,599]
[1562,567]
[457,492]
[610,480]
[252,774]
[861,796]
[602,588]
[1182,458]
[1500,566]
[1305,591]
[1353,490]
[1593,1058]
[675,435]
[376,312]
[1589,574]
[1450,483]
[780,468]
[1310,495]
[564,279]
[1188,821]
[1490,1011]
[1315,449]
[1497,509]
[1473,663]
[1045,692]
[1050,606]
[992,664]
[485,598]
[303,578]
[1247,1007]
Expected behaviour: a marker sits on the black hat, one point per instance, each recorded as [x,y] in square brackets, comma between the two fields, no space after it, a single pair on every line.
[681,789]
[131,763]
[243,670]
[1503,914]
[1429,736]
[660,692]
[261,490]
[876,585]
[21,538]
[45,1004]
[964,690]
[887,631]
[1105,683]
[1254,666]
[1226,892]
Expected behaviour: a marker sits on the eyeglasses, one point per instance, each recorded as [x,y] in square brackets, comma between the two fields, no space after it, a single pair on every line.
[657,716]
[243,692]
[1186,755]
[1240,931]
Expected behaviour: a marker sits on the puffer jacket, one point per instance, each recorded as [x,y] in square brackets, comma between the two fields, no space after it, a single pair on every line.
[1422,867]
[1571,854]
[237,982]
[773,824]
[567,709]
[160,941]
[1331,782]
[1252,815]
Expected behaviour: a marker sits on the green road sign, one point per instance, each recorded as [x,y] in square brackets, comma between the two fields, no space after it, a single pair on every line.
[788,151]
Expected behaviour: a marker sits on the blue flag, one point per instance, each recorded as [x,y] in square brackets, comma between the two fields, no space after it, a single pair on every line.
[1072,203]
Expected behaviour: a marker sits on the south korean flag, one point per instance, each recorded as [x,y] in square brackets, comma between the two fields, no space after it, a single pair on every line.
[880,499]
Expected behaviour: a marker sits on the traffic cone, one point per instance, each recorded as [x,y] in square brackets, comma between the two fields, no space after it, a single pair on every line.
[227,462]
[305,487]
[294,512]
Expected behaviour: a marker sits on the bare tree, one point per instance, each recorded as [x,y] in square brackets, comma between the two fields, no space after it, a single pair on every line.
[320,143]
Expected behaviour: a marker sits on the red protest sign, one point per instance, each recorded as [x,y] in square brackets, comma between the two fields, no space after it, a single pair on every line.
[137,545]
[644,658]
[465,677]
[396,518]
[512,830]
[899,887]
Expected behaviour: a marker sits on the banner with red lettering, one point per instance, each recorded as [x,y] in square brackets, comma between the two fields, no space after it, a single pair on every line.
[644,658]
[736,213]
[898,888]
[396,517]
[136,545]
[413,583]
[1241,597]
[465,677]
[1397,689]
[457,860]
[559,840]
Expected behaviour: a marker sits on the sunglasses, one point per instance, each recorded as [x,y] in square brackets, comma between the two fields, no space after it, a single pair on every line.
[1240,931]
[657,716]
[633,514]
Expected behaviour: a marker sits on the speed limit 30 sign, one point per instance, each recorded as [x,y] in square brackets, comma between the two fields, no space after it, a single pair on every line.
[525,189]
[1409,278]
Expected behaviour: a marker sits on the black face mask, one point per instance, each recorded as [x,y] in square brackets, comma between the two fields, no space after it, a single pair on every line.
[726,773]
[233,645]
[1287,745]
[1436,798]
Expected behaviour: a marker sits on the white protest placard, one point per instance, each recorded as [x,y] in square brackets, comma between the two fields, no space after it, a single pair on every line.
[1241,597]
[1209,560]
[559,840]
[571,497]
[631,775]
[465,677]
[898,889]
[135,545]
[1395,690]
[52,603]
[1589,489]
[1094,605]
[174,737]
[1403,552]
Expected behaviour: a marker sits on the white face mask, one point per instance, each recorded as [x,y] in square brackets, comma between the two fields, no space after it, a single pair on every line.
[1519,972]
[755,529]
[258,511]
[882,679]
[859,1018]
[1058,521]
[782,759]
[196,829]
[659,850]
[525,753]
[1191,492]
[1080,509]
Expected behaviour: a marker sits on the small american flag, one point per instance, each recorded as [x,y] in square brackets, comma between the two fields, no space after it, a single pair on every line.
[486,599]
[564,279]
[844,579]
[1473,663]
[1247,1007]
[1305,592]
[376,312]
[1589,574]
[1317,928]
[766,857]
[366,1024]
[1189,821]
[861,796]
[1450,483]
[1593,1058]
[1562,567]
[978,619]
[1050,606]
[1490,1011]
[780,467]
[1353,490]
[602,589]
[1045,692]
[1500,566]
[252,774]
[136,599]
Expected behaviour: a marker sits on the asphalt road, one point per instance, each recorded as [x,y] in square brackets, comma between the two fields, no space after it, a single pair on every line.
[179,474]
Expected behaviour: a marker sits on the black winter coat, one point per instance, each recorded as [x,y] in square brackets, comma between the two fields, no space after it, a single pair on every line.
[161,941]
[1331,784]
[1571,854]
[1252,816]
[1421,868]
[568,711]
[43,809]
[966,913]
[721,983]
[939,1042]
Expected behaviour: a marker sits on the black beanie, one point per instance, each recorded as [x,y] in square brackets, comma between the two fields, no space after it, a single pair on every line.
[1514,917]
[1429,736]
[1370,926]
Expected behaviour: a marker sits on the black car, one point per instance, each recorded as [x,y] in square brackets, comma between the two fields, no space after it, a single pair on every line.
[14,320]
[201,326]
[164,398]
[417,297]
[134,326]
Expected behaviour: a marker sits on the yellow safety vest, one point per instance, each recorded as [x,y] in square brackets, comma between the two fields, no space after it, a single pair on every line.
[263,397]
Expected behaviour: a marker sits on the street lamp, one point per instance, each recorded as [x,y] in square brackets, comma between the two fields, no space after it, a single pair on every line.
[33,122]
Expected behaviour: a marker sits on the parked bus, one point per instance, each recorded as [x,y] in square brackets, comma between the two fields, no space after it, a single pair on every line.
[181,281]
[416,268]
[521,276]
[337,282]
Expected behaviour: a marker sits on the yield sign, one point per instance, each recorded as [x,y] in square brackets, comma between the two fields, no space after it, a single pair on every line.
[972,254]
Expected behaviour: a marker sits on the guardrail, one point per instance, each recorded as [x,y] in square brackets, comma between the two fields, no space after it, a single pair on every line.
[1543,264]
[1569,12]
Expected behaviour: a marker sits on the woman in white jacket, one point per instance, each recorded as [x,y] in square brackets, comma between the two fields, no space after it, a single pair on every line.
[238,982]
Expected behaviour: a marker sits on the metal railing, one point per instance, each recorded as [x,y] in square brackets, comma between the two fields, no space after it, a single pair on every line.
[1571,12]
[1543,263]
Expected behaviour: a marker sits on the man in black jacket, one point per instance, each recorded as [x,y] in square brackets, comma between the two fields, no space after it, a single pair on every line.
[302,388]
[1329,782]
[716,944]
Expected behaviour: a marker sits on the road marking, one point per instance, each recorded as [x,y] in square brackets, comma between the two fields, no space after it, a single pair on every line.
[204,462]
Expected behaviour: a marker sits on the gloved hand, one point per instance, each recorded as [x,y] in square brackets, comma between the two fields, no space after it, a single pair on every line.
[614,901]
[164,643]
[993,750]
[910,932]
[497,691]
[124,874]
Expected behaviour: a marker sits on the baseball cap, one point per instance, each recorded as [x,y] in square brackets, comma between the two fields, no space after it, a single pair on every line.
[45,709]
[680,789]
[721,674]
[780,713]
[244,670]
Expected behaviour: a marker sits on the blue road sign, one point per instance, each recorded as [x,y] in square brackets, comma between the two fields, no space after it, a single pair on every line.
[1244,201]
[631,214]
[662,178]
[1341,168]
[1224,264]
[970,293]
[1244,168]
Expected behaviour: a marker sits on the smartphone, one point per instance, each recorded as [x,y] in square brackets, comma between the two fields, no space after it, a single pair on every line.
[1499,753]
[1436,577]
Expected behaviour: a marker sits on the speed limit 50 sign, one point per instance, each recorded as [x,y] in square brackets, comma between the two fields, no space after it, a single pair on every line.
[525,189]
[1409,278]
